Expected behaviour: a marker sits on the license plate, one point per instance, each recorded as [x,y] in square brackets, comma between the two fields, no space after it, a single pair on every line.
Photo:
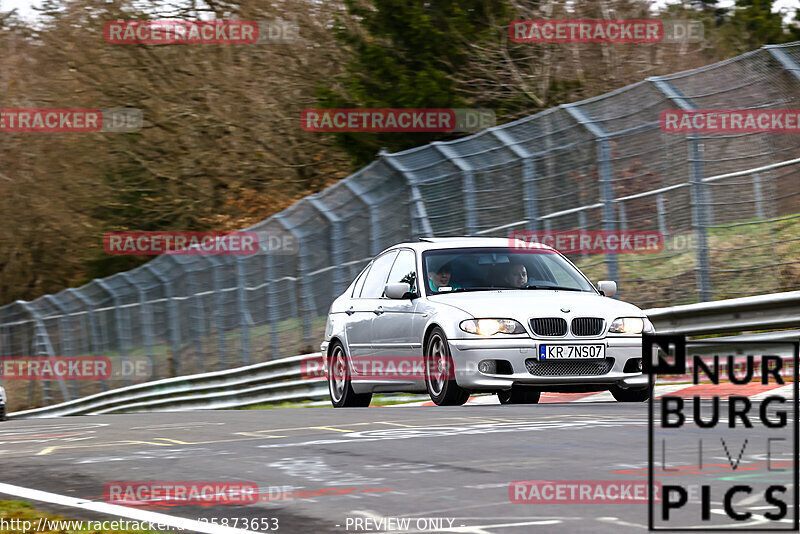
[572,352]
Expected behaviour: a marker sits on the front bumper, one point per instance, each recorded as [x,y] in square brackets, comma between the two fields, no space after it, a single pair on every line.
[467,353]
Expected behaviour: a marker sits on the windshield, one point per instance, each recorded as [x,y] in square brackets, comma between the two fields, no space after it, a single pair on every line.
[478,269]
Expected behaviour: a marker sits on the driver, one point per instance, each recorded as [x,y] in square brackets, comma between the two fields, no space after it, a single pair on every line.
[516,275]
[440,278]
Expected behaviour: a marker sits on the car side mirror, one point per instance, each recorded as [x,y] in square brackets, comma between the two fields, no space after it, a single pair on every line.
[400,290]
[607,288]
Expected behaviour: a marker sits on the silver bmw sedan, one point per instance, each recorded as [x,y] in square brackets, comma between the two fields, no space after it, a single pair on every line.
[456,316]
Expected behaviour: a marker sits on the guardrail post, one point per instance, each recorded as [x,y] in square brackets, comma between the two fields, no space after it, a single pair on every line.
[174,325]
[606,179]
[529,179]
[122,336]
[420,225]
[702,211]
[468,185]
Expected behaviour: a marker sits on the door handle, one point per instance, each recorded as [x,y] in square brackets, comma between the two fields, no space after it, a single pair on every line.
[350,311]
[378,310]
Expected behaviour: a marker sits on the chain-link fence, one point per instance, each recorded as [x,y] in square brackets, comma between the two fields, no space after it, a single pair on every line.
[602,164]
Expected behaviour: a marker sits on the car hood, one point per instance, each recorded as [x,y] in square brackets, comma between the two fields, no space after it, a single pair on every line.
[524,304]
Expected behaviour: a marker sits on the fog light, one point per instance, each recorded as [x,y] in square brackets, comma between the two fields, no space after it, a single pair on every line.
[487,367]
[639,364]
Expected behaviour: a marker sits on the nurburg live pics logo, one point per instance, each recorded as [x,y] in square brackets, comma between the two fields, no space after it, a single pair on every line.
[740,449]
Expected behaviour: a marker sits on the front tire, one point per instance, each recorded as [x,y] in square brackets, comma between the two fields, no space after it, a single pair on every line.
[440,372]
[339,383]
[629,395]
[519,395]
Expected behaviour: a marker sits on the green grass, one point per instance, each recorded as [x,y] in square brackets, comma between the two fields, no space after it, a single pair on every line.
[22,511]
[669,278]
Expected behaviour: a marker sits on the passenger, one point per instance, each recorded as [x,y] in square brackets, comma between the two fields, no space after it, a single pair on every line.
[516,275]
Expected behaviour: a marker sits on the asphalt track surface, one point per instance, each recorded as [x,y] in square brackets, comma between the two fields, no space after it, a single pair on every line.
[322,470]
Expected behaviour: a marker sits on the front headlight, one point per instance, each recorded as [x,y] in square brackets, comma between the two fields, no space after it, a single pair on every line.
[490,327]
[631,325]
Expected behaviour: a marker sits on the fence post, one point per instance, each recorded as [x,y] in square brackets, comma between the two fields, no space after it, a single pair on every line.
[759,195]
[306,298]
[662,216]
[421,226]
[606,179]
[272,305]
[623,217]
[784,59]
[702,214]
[174,325]
[43,347]
[219,307]
[145,318]
[65,327]
[245,320]
[374,218]
[337,257]
[530,198]
[468,185]
[95,345]
[122,338]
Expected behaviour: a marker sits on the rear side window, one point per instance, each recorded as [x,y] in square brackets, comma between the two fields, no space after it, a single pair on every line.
[376,278]
[360,282]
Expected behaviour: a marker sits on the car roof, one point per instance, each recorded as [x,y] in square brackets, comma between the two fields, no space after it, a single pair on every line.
[438,243]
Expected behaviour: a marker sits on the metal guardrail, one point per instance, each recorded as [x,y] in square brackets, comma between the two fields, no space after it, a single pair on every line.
[762,312]
[275,381]
[282,380]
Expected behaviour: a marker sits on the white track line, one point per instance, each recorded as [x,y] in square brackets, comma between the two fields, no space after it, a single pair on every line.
[119,511]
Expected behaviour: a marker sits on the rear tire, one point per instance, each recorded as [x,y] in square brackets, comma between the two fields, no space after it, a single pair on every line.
[519,395]
[630,395]
[339,383]
[440,372]
[2,412]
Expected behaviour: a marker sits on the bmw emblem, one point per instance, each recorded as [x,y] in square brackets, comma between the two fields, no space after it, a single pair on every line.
[565,310]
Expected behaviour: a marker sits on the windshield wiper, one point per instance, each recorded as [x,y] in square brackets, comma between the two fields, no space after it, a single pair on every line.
[559,288]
